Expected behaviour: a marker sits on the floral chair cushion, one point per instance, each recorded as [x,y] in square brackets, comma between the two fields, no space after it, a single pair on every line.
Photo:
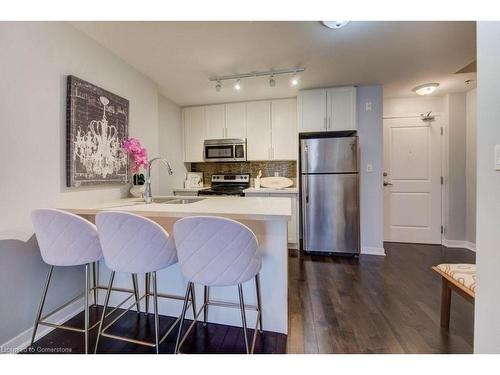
[463,274]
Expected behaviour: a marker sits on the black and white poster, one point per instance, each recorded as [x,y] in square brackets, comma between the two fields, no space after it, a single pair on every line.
[97,124]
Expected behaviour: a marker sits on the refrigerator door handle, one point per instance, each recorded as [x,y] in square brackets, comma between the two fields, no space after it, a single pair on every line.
[305,202]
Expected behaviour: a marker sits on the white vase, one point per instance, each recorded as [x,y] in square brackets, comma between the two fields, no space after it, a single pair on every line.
[137,191]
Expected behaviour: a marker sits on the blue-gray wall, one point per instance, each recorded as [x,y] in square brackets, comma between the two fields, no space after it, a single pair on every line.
[370,130]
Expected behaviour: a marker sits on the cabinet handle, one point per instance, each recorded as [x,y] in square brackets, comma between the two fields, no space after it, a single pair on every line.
[329,122]
[325,125]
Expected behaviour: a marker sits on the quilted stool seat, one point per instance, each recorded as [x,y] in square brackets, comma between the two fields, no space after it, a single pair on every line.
[216,252]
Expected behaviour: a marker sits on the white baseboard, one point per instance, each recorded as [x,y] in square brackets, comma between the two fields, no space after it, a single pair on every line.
[22,341]
[367,250]
[462,244]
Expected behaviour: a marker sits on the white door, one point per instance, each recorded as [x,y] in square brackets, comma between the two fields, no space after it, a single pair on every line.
[259,130]
[215,120]
[341,108]
[236,120]
[194,133]
[412,191]
[284,129]
[312,110]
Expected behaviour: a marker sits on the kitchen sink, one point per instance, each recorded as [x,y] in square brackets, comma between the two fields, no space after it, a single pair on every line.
[183,201]
[163,200]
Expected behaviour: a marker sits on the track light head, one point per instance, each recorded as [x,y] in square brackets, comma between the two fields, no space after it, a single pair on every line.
[295,80]
[237,85]
[272,81]
[218,86]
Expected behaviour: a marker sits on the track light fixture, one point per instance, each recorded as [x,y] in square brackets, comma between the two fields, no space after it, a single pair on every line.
[271,74]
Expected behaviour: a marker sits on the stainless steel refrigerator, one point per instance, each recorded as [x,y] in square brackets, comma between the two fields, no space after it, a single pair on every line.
[329,192]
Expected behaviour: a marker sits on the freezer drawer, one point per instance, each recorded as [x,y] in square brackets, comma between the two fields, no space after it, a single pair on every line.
[329,155]
[330,213]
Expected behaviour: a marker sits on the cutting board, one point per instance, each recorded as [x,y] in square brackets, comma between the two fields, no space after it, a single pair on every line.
[275,182]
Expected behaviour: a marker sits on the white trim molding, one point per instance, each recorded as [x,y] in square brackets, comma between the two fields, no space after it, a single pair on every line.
[461,244]
[22,341]
[368,250]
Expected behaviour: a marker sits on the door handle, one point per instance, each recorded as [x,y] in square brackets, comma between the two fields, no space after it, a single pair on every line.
[387,183]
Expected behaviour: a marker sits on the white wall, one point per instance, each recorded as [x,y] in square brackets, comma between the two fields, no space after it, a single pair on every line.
[36,58]
[487,306]
[170,143]
[370,132]
[470,166]
[413,106]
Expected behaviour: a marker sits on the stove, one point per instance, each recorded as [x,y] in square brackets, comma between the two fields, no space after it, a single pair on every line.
[228,184]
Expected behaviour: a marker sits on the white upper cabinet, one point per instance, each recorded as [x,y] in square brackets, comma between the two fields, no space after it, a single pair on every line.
[215,121]
[341,108]
[284,129]
[312,110]
[194,133]
[258,130]
[236,120]
[327,109]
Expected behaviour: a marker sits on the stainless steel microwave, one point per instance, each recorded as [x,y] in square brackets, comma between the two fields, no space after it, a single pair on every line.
[220,150]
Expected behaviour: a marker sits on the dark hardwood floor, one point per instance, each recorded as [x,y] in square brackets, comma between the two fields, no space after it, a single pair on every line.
[376,304]
[336,305]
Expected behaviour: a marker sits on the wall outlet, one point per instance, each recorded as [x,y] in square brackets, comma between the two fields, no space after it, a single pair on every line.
[368,106]
[276,174]
[369,167]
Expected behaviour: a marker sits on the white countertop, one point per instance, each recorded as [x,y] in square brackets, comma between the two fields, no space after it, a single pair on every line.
[239,208]
[263,190]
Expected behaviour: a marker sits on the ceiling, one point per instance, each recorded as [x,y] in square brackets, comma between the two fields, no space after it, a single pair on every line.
[180,56]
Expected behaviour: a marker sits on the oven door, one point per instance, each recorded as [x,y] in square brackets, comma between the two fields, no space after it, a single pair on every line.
[224,150]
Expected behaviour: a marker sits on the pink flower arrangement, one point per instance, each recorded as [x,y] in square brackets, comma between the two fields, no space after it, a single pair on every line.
[137,153]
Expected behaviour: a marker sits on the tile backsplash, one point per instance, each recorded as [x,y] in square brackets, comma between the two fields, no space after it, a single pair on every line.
[268,168]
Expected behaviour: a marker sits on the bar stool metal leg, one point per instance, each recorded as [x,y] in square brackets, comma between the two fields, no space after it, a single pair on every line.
[243,316]
[95,282]
[157,320]
[146,291]
[106,302]
[259,305]
[206,291]
[86,303]
[42,302]
[193,301]
[183,315]
[136,292]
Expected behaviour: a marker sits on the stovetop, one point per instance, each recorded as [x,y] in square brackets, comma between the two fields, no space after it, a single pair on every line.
[228,184]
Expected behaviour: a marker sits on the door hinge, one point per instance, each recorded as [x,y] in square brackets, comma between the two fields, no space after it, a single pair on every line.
[442,180]
[442,131]
[442,229]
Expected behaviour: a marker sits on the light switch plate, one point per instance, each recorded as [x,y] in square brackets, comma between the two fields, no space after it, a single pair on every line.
[497,157]
[369,167]
[368,106]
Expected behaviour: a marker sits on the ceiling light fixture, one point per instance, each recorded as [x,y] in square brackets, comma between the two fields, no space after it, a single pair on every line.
[335,24]
[272,81]
[271,73]
[425,89]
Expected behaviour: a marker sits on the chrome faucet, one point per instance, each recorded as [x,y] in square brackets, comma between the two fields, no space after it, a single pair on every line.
[148,196]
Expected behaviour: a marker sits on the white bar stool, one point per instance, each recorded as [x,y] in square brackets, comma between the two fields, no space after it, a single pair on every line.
[215,251]
[66,239]
[134,244]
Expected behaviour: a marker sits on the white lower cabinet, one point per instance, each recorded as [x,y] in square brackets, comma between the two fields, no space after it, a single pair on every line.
[293,223]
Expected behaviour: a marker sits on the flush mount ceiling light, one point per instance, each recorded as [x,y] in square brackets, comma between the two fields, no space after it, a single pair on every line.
[271,74]
[425,89]
[335,24]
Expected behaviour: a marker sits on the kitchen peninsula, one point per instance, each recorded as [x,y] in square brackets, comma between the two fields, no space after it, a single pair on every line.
[266,217]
